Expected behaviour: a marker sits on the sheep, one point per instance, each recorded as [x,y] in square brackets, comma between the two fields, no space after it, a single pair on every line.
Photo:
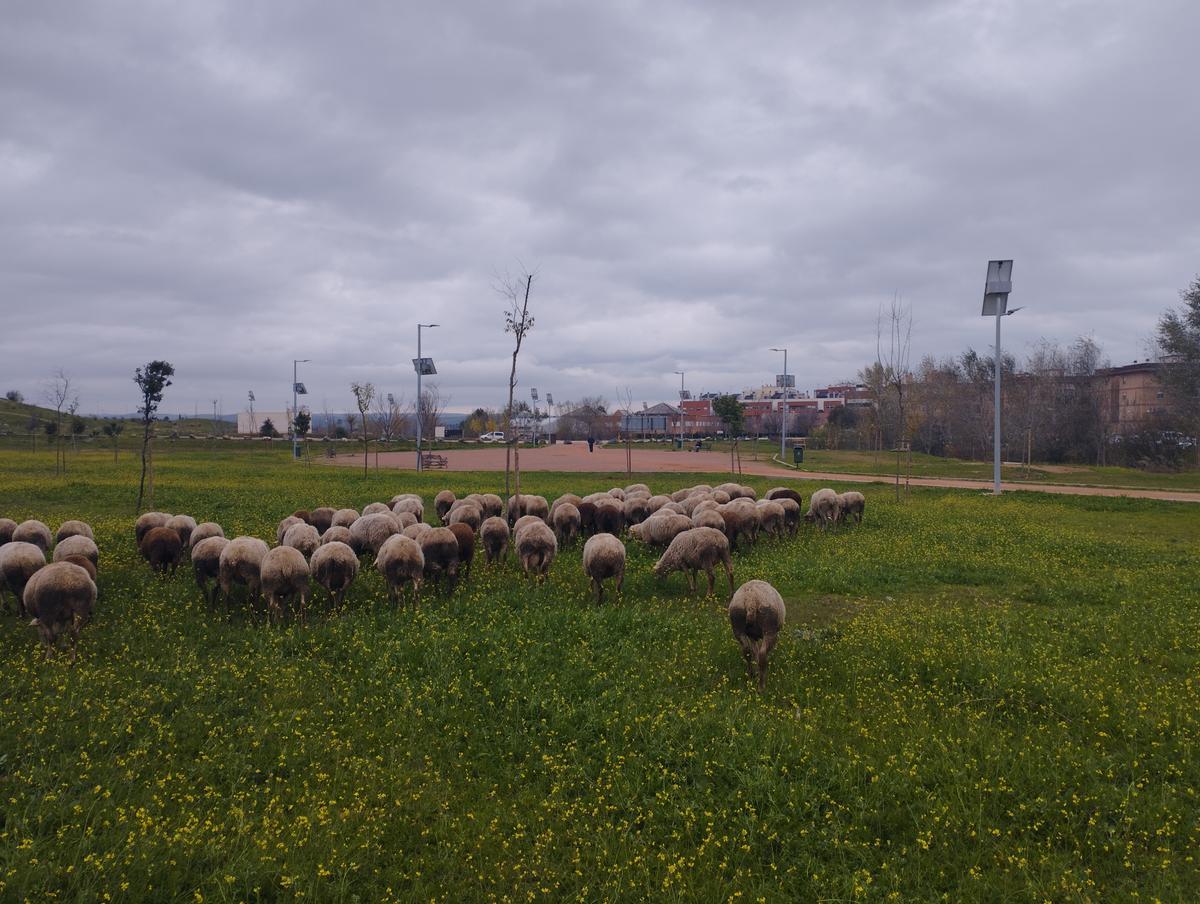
[60,597]
[617,493]
[303,537]
[337,534]
[162,548]
[7,526]
[284,526]
[491,505]
[414,507]
[494,535]
[527,505]
[401,561]
[322,518]
[344,517]
[415,531]
[603,558]
[566,523]
[440,548]
[523,522]
[709,518]
[791,513]
[182,525]
[74,529]
[241,562]
[442,502]
[146,522]
[637,488]
[206,565]
[406,519]
[756,614]
[86,565]
[77,545]
[466,546]
[284,575]
[719,496]
[468,514]
[672,507]
[704,505]
[777,493]
[851,505]
[203,531]
[561,501]
[654,503]
[635,510]
[770,517]
[414,496]
[610,516]
[695,501]
[823,508]
[19,561]
[536,548]
[304,515]
[693,550]
[35,532]
[741,520]
[368,533]
[375,508]
[335,566]
[661,529]
[587,517]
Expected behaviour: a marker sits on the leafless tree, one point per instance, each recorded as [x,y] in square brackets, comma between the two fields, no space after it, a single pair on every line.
[518,321]
[62,397]
[428,410]
[364,393]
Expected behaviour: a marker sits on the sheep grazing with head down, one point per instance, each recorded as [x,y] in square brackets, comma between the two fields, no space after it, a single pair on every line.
[635,510]
[698,549]
[77,545]
[336,535]
[284,575]
[741,522]
[610,515]
[661,528]
[414,507]
[566,523]
[375,508]
[406,519]
[162,548]
[416,531]
[203,531]
[335,566]
[524,521]
[491,505]
[637,488]
[284,526]
[851,504]
[322,518]
[823,508]
[440,548]
[604,558]
[303,537]
[344,517]
[563,500]
[86,565]
[304,515]
[708,518]
[527,505]
[241,563]
[35,532]
[442,502]
[182,525]
[777,493]
[770,517]
[587,517]
[494,533]
[791,513]
[206,565]
[146,522]
[19,561]
[466,546]
[757,614]
[401,561]
[536,549]
[60,597]
[7,526]
[654,503]
[369,532]
[74,529]
[467,513]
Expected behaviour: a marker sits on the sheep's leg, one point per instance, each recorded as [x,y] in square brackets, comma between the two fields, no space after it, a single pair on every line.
[691,579]
[708,572]
[598,586]
[728,571]
[621,582]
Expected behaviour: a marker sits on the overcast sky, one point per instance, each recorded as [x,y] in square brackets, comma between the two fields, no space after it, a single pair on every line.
[233,185]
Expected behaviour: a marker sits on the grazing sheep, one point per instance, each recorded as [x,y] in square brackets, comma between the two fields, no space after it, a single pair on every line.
[206,565]
[203,531]
[74,529]
[162,548]
[368,533]
[441,504]
[672,507]
[661,529]
[654,503]
[851,505]
[375,508]
[527,505]
[587,517]
[335,566]
[617,493]
[561,501]
[756,614]
[694,501]
[284,526]
[344,517]
[468,514]
[241,561]
[697,549]
[466,546]
[413,506]
[770,517]
[494,535]
[566,523]
[77,545]
[523,522]
[401,562]
[709,518]
[303,537]
[146,522]
[440,548]
[337,534]
[7,526]
[322,518]
[284,575]
[60,597]
[35,532]
[635,509]
[777,493]
[823,508]
[637,488]
[741,521]
[416,531]
[406,519]
[536,548]
[19,561]
[604,558]
[791,513]
[720,497]
[705,505]
[86,565]
[610,516]
[733,489]
[182,525]
[304,515]
[491,505]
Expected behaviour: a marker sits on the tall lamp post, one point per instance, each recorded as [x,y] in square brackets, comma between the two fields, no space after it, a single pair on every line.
[298,389]
[424,368]
[683,397]
[995,304]
[783,381]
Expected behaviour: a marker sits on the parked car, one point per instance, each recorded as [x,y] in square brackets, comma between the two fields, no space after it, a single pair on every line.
[496,436]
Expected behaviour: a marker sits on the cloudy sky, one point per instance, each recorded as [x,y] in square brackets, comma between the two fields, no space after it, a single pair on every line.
[233,185]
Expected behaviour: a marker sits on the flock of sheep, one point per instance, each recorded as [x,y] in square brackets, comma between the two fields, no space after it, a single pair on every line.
[696,527]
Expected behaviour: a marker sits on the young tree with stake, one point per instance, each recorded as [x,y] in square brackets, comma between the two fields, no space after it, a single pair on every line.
[518,321]
[729,410]
[364,394]
[152,380]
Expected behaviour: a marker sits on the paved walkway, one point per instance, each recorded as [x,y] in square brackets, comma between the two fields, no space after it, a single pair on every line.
[611,460]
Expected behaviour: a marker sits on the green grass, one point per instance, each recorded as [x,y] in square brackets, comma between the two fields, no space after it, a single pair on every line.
[974,699]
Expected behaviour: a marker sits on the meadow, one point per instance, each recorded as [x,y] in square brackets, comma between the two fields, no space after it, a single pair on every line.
[974,699]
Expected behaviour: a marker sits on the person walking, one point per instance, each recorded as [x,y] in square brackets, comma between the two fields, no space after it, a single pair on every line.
[591,443]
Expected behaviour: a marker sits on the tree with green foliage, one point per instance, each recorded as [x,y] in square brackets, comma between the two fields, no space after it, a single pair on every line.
[113,430]
[152,380]
[364,393]
[268,429]
[732,415]
[302,423]
[1179,338]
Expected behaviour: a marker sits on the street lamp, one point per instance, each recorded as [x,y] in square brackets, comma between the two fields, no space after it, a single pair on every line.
[995,304]
[683,396]
[424,368]
[783,381]
[298,389]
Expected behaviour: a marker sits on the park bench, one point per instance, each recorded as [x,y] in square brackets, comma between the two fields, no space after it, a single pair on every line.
[433,460]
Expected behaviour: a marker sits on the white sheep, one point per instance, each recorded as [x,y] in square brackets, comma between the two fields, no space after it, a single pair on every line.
[7,526]
[442,502]
[770,517]
[334,566]
[344,517]
[35,532]
[566,522]
[206,565]
[19,561]
[182,525]
[241,563]
[203,531]
[468,513]
[823,508]
[536,549]
[494,534]
[60,597]
[851,504]
[337,534]
[77,545]
[146,522]
[756,614]
[660,529]
[303,537]
[284,575]
[73,529]
[694,550]
[604,558]
[401,561]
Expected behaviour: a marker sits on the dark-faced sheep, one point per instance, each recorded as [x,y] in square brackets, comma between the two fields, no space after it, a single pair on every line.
[610,516]
[162,548]
[322,518]
[35,532]
[74,529]
[442,502]
[604,558]
[241,563]
[757,614]
[566,523]
[182,525]
[284,575]
[823,508]
[204,530]
[777,493]
[587,517]
[146,522]
[494,533]
[60,597]
[698,549]
[206,565]
[304,515]
[851,504]
[401,561]
[303,537]
[440,548]
[466,546]
[7,526]
[19,561]
[536,549]
[335,566]
[77,545]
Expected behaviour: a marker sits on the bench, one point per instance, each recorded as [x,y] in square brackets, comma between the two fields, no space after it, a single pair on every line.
[433,460]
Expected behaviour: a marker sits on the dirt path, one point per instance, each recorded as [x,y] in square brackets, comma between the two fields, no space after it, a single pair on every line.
[611,460]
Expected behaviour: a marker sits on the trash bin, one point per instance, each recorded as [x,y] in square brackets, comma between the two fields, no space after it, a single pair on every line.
[678,444]
[798,455]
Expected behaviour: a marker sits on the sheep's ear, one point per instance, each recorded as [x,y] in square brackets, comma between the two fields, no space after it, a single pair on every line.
[34,623]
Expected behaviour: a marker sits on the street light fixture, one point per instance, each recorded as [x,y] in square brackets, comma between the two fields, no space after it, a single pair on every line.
[783,382]
[683,396]
[298,389]
[423,367]
[995,304]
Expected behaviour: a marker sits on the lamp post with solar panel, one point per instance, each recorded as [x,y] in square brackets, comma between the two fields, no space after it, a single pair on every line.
[298,389]
[995,304]
[424,368]
[684,395]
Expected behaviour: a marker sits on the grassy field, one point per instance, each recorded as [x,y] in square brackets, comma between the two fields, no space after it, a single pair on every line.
[975,699]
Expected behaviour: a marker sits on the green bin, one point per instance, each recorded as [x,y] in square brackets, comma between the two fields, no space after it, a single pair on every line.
[798,455]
